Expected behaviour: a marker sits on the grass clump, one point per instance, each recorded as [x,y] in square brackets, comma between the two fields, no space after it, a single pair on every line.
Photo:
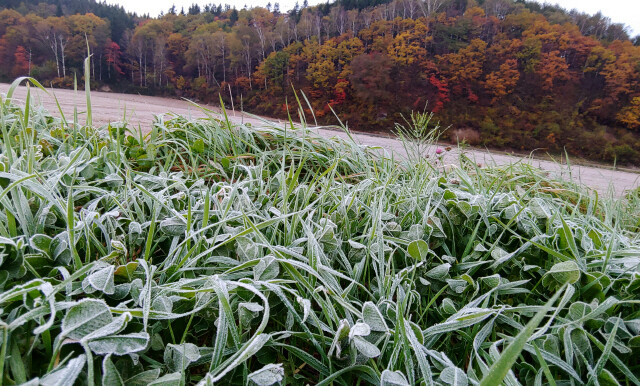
[213,252]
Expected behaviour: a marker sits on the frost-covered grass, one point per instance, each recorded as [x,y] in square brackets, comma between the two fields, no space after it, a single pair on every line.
[214,252]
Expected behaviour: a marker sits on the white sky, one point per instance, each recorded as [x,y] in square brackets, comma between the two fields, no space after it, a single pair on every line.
[620,11]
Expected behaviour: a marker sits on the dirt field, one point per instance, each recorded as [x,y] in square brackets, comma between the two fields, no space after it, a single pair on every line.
[140,110]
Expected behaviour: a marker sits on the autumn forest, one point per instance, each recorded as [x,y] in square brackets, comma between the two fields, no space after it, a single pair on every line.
[497,73]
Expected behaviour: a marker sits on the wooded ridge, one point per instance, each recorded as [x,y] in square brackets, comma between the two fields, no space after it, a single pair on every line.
[498,73]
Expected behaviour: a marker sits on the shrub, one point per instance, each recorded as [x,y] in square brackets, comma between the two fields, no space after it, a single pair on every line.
[467,135]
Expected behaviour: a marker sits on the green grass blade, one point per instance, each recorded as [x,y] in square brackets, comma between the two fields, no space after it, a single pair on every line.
[499,369]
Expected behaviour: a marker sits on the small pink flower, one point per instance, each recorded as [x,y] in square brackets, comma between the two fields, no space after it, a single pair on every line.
[439,151]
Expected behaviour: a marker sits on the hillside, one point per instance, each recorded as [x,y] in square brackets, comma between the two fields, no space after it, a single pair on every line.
[119,19]
[499,73]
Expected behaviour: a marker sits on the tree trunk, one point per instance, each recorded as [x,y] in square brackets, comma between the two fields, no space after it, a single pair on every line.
[53,43]
[224,65]
[145,70]
[63,44]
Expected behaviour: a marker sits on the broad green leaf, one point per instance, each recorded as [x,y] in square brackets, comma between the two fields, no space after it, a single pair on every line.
[120,344]
[17,364]
[172,379]
[359,329]
[110,374]
[267,268]
[365,348]
[562,273]
[248,311]
[173,226]
[373,318]
[41,243]
[393,378]
[65,376]
[162,303]
[144,378]
[540,208]
[179,357]
[116,325]
[102,280]
[440,272]
[454,376]
[416,232]
[126,271]
[578,310]
[198,146]
[248,250]
[418,249]
[85,317]
[268,375]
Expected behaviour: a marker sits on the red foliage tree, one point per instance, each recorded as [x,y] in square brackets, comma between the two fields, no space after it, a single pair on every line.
[113,57]
[21,65]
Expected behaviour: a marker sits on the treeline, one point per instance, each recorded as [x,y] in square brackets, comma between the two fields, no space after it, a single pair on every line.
[119,19]
[501,73]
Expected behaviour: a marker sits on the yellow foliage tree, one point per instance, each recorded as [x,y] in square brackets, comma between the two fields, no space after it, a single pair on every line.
[502,82]
[630,115]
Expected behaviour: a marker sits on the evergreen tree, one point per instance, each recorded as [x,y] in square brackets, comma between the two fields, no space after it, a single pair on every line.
[194,9]
[233,18]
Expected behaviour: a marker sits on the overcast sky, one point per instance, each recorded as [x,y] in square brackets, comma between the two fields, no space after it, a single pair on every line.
[620,11]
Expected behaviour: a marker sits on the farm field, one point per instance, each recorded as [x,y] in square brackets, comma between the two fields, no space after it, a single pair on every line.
[214,252]
[140,111]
